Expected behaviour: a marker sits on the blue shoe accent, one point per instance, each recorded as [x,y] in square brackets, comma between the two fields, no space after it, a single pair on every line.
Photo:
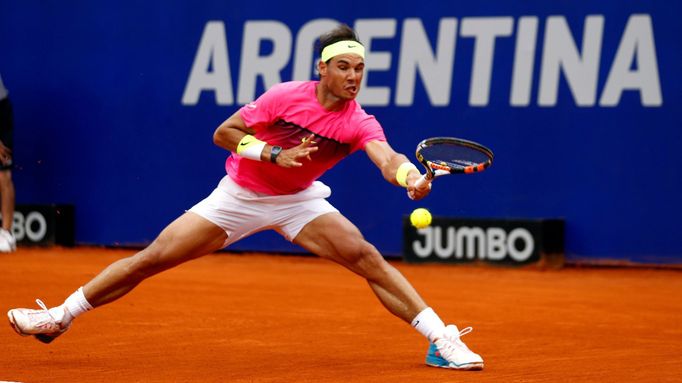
[433,357]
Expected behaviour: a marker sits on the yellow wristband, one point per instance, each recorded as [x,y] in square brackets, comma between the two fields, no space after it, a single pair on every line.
[403,170]
[250,147]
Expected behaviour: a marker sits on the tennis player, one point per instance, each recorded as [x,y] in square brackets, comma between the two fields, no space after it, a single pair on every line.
[281,144]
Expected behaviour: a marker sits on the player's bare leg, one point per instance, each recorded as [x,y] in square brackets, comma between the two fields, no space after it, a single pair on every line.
[334,237]
[188,237]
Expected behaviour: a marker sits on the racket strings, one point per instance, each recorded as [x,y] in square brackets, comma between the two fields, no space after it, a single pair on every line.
[454,156]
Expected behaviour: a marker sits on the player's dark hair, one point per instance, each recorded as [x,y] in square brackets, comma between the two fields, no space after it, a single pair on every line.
[340,33]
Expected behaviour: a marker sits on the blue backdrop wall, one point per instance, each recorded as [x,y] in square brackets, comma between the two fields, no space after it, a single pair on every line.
[116,102]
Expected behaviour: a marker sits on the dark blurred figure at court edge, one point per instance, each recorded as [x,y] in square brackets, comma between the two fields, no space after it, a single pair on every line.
[7,241]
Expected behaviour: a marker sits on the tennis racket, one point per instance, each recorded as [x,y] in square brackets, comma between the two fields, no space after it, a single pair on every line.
[449,155]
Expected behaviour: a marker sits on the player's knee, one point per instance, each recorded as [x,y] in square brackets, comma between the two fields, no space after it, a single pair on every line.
[147,262]
[369,261]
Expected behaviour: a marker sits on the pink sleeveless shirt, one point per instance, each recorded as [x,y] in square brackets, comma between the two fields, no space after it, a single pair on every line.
[284,115]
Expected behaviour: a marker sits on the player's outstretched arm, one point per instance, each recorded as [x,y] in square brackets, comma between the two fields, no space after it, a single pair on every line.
[392,164]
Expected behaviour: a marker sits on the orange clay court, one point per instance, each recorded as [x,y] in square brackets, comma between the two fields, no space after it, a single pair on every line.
[267,318]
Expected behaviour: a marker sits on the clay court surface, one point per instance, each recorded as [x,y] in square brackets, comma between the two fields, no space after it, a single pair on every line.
[267,318]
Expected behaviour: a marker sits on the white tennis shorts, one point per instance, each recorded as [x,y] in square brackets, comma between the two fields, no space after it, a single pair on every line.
[242,212]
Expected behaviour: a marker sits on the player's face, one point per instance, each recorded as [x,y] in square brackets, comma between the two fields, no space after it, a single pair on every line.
[343,75]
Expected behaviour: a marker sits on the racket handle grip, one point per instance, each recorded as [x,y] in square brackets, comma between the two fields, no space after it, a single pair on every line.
[423,181]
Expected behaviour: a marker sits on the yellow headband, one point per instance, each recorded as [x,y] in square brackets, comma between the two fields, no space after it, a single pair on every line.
[341,47]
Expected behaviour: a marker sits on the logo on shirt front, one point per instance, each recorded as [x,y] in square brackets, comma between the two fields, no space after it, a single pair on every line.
[251,105]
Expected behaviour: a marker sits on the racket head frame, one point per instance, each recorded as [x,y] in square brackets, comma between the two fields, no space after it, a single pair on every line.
[435,169]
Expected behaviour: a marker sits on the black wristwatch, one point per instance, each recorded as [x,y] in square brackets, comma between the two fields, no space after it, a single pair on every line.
[274,152]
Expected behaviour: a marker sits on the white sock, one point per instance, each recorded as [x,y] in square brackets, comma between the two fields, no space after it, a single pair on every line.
[428,324]
[73,307]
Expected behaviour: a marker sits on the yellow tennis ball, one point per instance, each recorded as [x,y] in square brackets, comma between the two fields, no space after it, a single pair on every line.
[420,218]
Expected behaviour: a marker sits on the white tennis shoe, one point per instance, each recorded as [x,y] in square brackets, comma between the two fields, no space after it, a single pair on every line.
[8,243]
[449,351]
[39,323]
